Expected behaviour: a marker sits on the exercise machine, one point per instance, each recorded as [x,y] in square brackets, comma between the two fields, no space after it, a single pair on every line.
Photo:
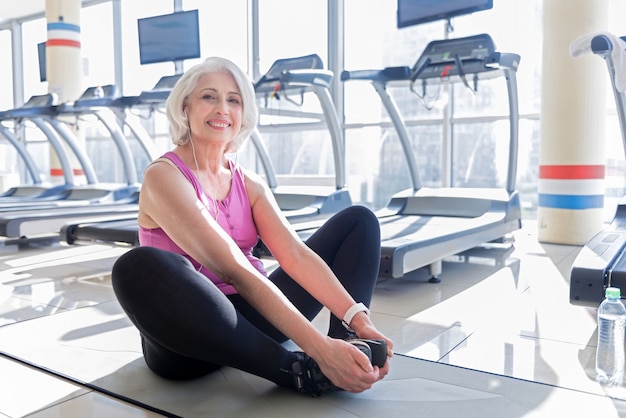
[99,200]
[40,110]
[601,263]
[286,84]
[421,226]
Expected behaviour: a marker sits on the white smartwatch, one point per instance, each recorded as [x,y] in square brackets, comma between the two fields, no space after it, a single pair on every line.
[350,313]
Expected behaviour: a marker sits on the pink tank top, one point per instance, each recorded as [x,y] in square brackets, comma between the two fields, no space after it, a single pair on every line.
[234,216]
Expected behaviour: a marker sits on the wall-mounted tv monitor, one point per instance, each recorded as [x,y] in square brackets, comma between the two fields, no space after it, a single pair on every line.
[171,37]
[415,12]
[41,55]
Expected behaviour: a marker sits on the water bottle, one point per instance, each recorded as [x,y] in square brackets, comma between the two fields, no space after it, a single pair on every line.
[610,352]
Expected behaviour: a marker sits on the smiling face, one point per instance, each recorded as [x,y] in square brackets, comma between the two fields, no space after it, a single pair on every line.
[215,107]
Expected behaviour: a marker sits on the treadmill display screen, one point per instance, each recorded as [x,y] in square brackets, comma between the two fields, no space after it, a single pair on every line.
[415,12]
[171,37]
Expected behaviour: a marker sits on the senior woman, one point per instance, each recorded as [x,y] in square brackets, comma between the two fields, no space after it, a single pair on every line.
[199,297]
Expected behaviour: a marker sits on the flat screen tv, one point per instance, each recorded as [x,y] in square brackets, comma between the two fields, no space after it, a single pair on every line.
[41,55]
[171,37]
[415,12]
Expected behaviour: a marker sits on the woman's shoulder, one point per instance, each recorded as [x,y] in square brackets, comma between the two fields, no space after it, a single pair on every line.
[159,166]
[250,176]
[163,171]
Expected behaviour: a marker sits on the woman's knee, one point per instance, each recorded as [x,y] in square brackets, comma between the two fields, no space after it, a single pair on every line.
[138,268]
[146,259]
[367,218]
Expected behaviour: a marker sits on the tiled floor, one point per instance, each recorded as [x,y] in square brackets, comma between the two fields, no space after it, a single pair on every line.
[497,337]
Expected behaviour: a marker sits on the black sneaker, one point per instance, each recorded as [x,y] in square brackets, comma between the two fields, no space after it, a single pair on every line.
[309,379]
[377,348]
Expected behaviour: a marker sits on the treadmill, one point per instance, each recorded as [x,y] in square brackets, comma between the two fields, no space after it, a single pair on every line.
[601,263]
[420,226]
[94,201]
[39,109]
[46,117]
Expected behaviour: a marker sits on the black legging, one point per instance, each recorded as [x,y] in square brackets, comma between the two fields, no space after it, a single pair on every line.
[189,328]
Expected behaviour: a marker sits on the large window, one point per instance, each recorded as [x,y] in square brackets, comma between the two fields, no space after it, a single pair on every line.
[291,29]
[96,32]
[6,75]
[223,29]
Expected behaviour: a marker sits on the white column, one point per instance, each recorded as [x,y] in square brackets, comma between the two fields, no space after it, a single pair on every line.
[573,115]
[64,70]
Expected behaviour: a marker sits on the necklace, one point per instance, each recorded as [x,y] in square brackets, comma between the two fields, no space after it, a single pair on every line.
[213,196]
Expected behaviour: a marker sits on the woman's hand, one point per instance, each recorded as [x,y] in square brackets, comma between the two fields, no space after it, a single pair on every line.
[364,328]
[347,366]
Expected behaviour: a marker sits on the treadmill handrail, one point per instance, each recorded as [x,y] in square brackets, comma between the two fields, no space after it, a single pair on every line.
[318,81]
[602,46]
[328,108]
[31,167]
[70,139]
[92,102]
[66,166]
[510,75]
[127,118]
[266,162]
[403,133]
[306,78]
[387,74]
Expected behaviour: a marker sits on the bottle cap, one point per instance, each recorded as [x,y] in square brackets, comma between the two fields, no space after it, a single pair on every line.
[612,293]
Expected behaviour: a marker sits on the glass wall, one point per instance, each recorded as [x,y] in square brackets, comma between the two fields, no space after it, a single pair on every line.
[6,73]
[96,32]
[474,141]
[289,29]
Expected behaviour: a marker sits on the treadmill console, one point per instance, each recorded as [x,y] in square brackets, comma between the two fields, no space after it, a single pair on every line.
[160,92]
[44,100]
[40,105]
[301,72]
[446,60]
[99,92]
[97,96]
[281,66]
[460,56]
[167,82]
